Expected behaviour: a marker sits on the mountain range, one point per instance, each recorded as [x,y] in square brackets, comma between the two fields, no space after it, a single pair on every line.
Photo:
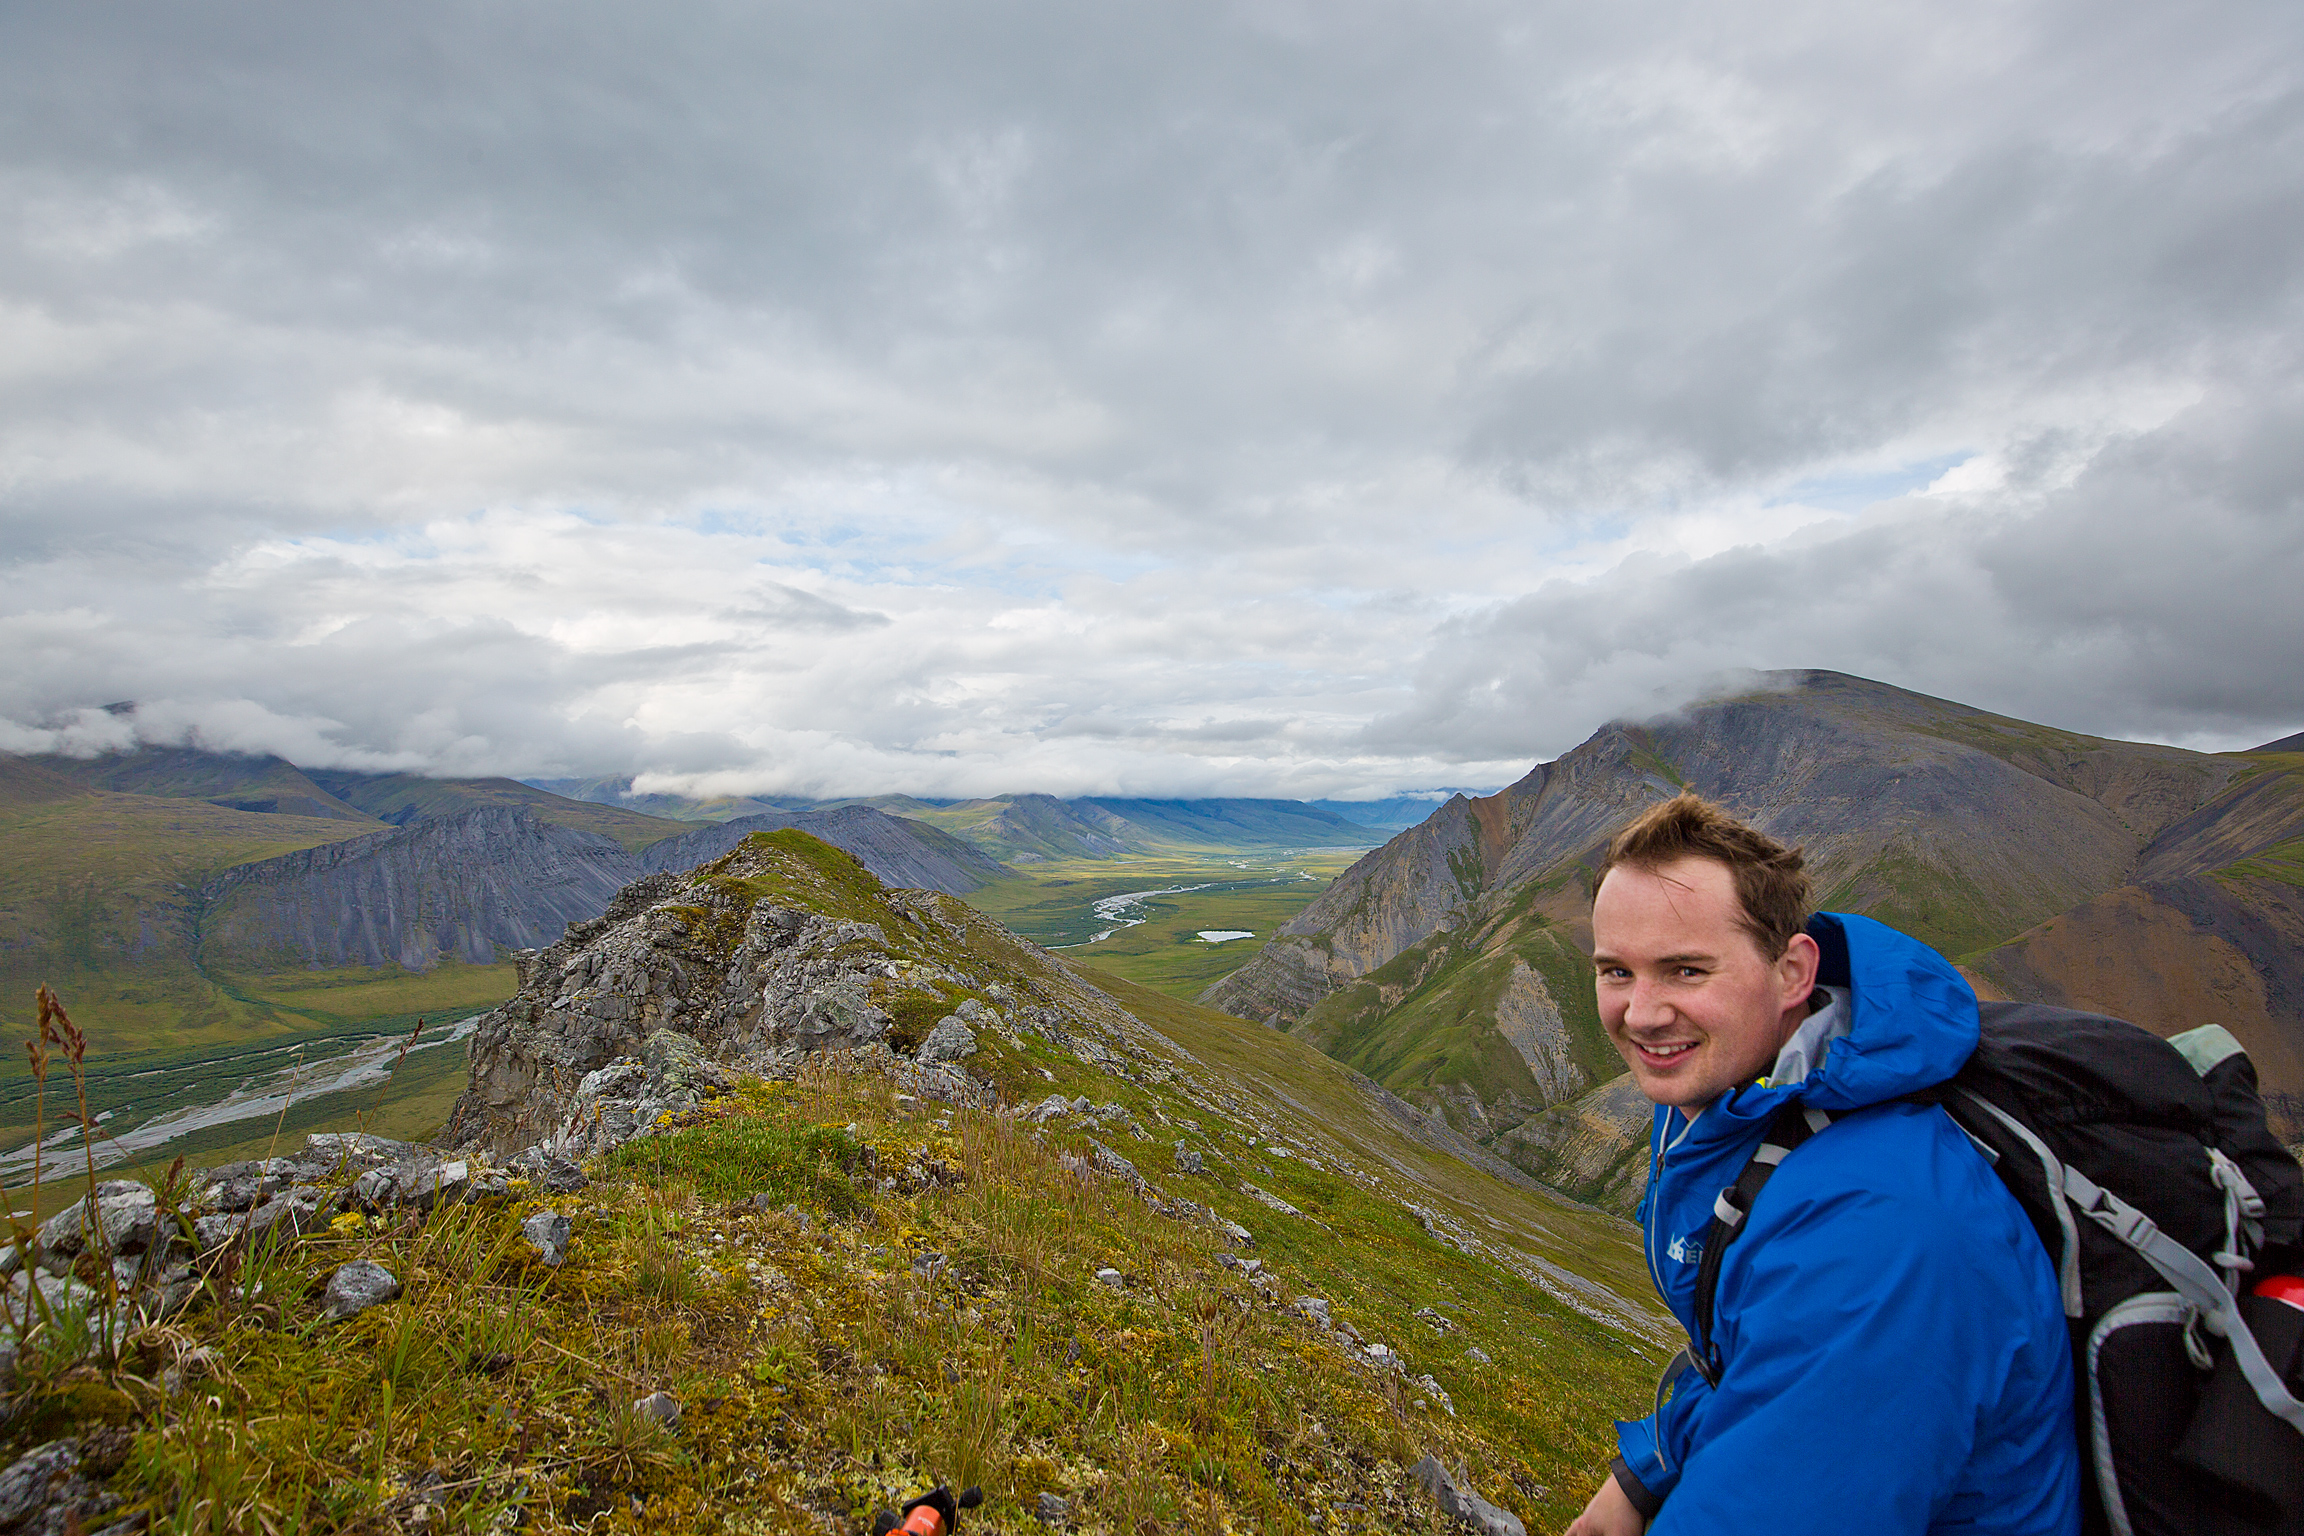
[1027,828]
[2153,883]
[1448,965]
[174,856]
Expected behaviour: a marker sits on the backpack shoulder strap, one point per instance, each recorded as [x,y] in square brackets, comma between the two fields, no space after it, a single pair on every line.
[1787,1129]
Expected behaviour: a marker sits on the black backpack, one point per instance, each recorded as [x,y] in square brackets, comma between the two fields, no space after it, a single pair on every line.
[2176,1222]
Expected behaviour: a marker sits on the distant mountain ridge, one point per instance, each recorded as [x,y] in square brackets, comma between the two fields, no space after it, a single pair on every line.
[474,884]
[463,886]
[110,858]
[176,857]
[899,852]
[1450,964]
[1027,828]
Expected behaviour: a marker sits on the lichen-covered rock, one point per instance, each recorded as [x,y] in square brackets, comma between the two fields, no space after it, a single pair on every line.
[123,1222]
[950,1040]
[547,1233]
[288,1214]
[1111,1163]
[48,1490]
[58,1294]
[359,1285]
[1455,1497]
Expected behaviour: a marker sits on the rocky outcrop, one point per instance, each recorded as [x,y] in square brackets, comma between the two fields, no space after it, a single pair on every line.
[783,949]
[899,851]
[460,887]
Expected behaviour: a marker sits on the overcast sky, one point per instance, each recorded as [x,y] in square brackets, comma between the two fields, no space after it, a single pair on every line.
[1294,399]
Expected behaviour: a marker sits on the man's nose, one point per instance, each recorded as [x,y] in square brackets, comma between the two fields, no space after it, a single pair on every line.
[1648,1008]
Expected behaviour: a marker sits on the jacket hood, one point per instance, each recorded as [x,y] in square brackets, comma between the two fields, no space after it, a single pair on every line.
[1913,1024]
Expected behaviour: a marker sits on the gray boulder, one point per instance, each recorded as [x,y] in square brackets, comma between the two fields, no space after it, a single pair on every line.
[949,1041]
[58,1293]
[289,1214]
[357,1286]
[124,1221]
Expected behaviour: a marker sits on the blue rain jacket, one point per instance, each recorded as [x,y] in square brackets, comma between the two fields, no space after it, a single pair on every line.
[1894,1344]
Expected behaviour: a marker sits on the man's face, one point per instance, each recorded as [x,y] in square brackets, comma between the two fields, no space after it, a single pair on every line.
[1691,1003]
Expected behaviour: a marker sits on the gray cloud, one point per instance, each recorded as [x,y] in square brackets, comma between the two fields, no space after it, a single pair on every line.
[1256,397]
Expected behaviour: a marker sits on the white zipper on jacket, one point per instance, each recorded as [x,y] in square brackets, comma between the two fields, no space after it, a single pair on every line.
[1656,1187]
[1656,1161]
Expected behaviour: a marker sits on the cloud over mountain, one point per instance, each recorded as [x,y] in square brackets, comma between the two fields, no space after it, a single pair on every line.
[1220,398]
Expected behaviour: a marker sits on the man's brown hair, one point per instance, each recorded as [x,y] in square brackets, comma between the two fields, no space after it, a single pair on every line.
[1772,886]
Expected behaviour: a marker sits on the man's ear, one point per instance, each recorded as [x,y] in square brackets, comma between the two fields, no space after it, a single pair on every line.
[1796,969]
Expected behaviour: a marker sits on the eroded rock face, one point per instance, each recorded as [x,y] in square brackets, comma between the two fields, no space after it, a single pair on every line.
[1531,1022]
[1594,1147]
[459,886]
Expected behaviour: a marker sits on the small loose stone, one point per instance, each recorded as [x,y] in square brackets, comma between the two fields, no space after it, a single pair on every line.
[547,1233]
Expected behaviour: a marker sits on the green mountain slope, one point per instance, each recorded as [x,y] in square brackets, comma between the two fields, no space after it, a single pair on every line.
[267,785]
[2209,928]
[108,865]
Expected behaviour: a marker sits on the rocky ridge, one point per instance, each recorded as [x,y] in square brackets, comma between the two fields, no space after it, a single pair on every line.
[752,958]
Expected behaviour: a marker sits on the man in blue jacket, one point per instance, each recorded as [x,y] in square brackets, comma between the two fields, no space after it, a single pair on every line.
[1893,1351]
